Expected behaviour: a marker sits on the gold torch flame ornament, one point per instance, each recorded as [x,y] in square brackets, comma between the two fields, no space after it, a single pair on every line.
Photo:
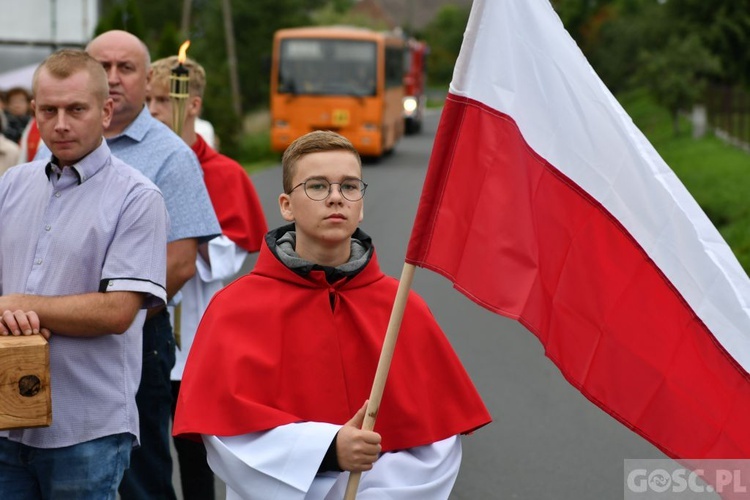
[179,79]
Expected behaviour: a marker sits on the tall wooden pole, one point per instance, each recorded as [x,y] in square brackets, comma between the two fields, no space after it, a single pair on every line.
[234,82]
[187,7]
[384,365]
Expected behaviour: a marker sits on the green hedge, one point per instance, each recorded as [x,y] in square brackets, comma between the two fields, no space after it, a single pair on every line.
[716,174]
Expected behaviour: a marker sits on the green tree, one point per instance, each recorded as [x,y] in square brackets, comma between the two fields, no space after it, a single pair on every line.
[724,26]
[631,27]
[341,6]
[155,22]
[254,26]
[152,16]
[444,35]
[123,15]
[331,14]
[677,75]
[168,43]
[582,18]
[610,32]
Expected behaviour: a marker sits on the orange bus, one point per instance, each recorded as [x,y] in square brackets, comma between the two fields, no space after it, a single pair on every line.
[345,79]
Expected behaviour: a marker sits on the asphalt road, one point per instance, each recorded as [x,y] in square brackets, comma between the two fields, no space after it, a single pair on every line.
[547,441]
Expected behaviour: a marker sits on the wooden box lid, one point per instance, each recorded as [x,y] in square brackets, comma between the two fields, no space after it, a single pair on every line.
[25,396]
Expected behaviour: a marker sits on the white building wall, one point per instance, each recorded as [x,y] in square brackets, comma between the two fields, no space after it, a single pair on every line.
[63,22]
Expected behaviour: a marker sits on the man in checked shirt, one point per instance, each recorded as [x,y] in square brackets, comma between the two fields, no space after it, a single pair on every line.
[82,255]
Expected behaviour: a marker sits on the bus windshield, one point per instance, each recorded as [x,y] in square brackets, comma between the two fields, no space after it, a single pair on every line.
[327,67]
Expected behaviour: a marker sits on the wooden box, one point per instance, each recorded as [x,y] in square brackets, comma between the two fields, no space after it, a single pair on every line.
[25,398]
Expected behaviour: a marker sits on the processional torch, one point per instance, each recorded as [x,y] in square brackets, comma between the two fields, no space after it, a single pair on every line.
[179,79]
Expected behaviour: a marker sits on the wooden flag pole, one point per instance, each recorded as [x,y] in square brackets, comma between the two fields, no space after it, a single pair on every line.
[384,364]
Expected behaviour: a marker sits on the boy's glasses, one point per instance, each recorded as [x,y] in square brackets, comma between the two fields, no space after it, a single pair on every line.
[320,189]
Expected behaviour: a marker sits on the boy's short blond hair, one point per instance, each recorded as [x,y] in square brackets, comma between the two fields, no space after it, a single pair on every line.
[312,142]
[162,68]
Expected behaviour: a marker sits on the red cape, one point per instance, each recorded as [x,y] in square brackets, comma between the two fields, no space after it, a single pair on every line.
[233,196]
[271,351]
[32,140]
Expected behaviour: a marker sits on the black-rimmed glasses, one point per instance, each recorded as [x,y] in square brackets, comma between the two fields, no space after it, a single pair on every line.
[319,189]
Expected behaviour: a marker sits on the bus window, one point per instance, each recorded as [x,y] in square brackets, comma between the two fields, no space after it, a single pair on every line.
[394,67]
[327,67]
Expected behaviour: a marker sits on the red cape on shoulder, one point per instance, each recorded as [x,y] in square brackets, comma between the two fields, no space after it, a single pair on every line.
[275,348]
[233,197]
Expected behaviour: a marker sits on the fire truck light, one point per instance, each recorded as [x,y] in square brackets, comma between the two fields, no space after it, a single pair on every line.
[410,105]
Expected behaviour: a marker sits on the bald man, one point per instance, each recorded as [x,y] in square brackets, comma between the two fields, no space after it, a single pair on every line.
[150,146]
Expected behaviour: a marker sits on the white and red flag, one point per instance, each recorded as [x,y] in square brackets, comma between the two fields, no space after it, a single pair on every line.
[544,203]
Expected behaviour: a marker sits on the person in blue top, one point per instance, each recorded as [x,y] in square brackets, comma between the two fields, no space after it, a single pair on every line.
[152,147]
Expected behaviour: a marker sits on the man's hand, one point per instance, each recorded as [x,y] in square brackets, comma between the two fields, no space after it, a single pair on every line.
[357,449]
[22,323]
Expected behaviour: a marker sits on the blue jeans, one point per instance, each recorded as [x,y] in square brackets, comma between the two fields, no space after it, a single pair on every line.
[85,471]
[150,473]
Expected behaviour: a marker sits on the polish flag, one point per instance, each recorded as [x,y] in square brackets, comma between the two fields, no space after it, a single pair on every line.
[544,203]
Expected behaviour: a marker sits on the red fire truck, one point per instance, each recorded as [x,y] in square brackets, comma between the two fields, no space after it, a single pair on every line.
[415,78]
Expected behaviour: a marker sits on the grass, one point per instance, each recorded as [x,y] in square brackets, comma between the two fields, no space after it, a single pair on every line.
[716,174]
[255,151]
[436,96]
